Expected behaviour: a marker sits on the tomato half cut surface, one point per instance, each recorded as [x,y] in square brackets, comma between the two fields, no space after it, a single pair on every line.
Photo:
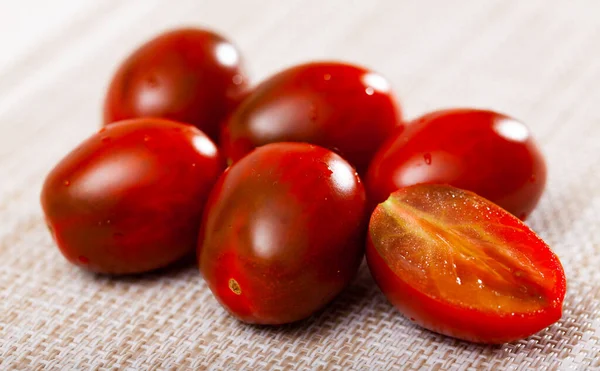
[458,264]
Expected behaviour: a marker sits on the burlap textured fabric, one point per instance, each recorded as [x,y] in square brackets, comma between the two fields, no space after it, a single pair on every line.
[538,60]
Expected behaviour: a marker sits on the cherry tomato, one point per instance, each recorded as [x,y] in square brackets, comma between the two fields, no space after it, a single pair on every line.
[485,152]
[283,232]
[345,108]
[129,199]
[188,75]
[457,264]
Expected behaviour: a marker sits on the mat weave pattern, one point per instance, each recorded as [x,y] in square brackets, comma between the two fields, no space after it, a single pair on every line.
[538,60]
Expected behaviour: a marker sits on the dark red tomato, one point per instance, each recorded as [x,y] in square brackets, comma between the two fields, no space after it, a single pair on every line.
[130,198]
[345,108]
[283,233]
[457,264]
[485,152]
[187,75]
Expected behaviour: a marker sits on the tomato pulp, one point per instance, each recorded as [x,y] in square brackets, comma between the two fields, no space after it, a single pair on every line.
[188,75]
[129,199]
[457,264]
[283,232]
[485,152]
[345,108]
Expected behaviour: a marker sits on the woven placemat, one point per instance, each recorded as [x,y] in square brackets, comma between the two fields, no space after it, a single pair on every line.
[537,60]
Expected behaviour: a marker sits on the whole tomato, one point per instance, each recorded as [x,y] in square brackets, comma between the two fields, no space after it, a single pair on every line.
[188,75]
[130,198]
[345,108]
[283,232]
[482,151]
[457,264]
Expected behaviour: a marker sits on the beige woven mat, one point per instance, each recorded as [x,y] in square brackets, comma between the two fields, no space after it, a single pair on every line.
[538,60]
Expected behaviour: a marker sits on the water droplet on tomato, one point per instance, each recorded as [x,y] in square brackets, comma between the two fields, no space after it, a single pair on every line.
[427,158]
[237,79]
[369,90]
[194,165]
[376,82]
[146,138]
[532,178]
[326,77]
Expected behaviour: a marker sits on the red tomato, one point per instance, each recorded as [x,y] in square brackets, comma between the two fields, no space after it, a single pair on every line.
[485,152]
[342,107]
[187,75]
[457,264]
[283,233]
[129,199]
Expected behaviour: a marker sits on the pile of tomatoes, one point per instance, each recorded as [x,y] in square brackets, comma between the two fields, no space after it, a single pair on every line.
[282,188]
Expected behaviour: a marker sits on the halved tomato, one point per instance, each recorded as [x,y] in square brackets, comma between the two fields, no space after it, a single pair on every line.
[458,264]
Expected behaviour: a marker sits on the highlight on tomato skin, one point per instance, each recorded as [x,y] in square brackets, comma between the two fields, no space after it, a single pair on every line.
[457,264]
[482,151]
[343,107]
[129,199]
[189,75]
[283,233]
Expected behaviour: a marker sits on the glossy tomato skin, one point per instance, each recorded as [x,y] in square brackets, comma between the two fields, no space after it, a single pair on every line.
[479,322]
[188,75]
[129,199]
[482,151]
[283,233]
[345,108]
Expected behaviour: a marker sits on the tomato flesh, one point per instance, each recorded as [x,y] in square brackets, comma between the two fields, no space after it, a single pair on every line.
[189,75]
[482,151]
[129,199]
[283,233]
[460,265]
[346,108]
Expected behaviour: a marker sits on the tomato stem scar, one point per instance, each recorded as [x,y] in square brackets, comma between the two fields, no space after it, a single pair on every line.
[235,287]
